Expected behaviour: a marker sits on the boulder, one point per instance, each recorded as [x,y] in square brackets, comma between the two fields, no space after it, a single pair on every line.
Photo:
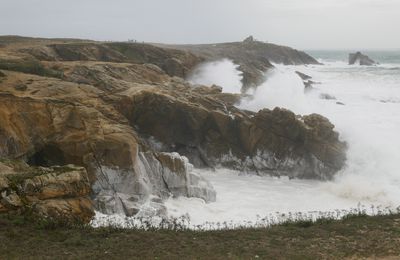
[360,59]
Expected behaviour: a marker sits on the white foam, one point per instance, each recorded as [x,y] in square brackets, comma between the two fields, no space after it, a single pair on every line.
[223,73]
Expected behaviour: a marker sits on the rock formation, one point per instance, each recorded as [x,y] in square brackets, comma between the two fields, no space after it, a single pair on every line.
[308,83]
[253,57]
[360,59]
[124,112]
[56,192]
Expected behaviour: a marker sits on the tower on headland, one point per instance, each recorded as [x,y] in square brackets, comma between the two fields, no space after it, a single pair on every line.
[249,39]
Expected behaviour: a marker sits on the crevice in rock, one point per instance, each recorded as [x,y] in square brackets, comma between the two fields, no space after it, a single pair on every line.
[47,156]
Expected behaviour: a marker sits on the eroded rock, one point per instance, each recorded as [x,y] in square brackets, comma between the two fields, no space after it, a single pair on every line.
[61,193]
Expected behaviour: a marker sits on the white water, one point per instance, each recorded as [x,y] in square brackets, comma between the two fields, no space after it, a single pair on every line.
[371,128]
[223,73]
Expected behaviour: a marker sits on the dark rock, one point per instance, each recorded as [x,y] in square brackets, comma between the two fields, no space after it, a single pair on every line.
[327,96]
[360,59]
[308,83]
[303,76]
[268,142]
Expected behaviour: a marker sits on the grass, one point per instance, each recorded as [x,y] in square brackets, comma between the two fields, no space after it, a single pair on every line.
[356,236]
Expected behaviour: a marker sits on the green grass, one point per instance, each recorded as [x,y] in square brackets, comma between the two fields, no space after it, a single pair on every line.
[356,236]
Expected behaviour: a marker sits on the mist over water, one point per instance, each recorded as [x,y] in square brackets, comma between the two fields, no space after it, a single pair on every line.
[369,121]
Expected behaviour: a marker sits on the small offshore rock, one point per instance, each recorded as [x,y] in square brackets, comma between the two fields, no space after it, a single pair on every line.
[360,59]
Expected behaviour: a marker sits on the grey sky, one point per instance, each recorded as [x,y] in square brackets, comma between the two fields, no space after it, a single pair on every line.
[304,24]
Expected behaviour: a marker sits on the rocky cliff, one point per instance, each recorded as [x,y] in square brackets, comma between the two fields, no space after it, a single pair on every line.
[254,57]
[124,112]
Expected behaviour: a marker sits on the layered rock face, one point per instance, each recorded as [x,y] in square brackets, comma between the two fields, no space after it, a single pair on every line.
[124,113]
[56,192]
[213,134]
[360,59]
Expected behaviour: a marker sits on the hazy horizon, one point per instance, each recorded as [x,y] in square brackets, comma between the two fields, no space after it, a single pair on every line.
[302,24]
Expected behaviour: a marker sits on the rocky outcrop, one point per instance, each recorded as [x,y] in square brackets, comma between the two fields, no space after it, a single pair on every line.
[55,122]
[360,59]
[173,62]
[273,142]
[56,192]
[308,83]
[253,57]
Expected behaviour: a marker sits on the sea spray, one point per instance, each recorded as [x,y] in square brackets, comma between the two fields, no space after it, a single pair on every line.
[367,116]
[223,73]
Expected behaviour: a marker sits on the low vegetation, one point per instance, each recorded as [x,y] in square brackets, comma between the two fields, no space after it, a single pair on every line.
[355,236]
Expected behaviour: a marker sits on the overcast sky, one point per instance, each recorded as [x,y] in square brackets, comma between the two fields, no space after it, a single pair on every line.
[304,24]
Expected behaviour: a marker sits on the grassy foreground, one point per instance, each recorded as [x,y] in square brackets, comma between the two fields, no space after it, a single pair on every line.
[354,237]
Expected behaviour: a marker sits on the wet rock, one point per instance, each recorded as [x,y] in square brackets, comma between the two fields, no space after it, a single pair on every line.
[308,83]
[360,59]
[268,142]
[303,76]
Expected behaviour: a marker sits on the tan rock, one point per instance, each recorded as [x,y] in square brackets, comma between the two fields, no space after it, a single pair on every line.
[70,209]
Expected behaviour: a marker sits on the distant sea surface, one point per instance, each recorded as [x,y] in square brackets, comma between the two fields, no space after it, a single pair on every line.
[381,56]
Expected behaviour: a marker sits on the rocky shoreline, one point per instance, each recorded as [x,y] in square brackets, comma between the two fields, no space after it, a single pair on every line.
[124,112]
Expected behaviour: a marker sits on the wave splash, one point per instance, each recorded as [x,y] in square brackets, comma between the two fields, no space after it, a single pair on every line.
[365,121]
